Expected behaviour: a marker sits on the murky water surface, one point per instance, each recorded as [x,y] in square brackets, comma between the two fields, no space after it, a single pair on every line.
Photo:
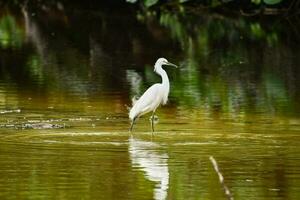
[67,76]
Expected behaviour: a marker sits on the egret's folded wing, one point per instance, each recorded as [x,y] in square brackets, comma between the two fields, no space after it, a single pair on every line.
[145,103]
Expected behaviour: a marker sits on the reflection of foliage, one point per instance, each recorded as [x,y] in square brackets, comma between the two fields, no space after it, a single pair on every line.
[211,3]
[220,71]
[11,35]
[227,64]
[270,2]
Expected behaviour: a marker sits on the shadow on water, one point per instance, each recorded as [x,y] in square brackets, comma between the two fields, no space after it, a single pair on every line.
[68,72]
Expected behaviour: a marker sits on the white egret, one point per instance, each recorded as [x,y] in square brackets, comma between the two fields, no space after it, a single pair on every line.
[154,96]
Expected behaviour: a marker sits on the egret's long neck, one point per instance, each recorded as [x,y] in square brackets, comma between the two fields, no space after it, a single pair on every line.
[164,76]
[165,84]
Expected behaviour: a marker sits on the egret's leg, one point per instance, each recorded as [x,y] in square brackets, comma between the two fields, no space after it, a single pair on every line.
[132,123]
[152,122]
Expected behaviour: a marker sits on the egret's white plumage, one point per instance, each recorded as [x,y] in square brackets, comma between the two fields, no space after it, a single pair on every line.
[154,96]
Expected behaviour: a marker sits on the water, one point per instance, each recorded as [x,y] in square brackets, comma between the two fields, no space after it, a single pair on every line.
[68,75]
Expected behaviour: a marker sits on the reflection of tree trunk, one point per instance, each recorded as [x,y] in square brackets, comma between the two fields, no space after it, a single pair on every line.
[34,36]
[100,61]
[98,57]
[50,56]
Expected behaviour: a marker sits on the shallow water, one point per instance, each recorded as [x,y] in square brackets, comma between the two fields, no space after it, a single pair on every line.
[68,76]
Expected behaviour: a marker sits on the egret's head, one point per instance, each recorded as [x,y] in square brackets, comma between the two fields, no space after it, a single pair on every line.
[162,61]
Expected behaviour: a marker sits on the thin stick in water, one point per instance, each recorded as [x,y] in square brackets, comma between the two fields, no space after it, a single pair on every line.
[221,178]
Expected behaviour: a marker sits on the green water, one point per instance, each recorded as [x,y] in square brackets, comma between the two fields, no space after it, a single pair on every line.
[67,76]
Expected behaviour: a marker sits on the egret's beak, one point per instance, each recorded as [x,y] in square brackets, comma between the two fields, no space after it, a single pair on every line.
[171,64]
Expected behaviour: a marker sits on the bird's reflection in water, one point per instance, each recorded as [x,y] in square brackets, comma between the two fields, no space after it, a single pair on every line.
[144,156]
